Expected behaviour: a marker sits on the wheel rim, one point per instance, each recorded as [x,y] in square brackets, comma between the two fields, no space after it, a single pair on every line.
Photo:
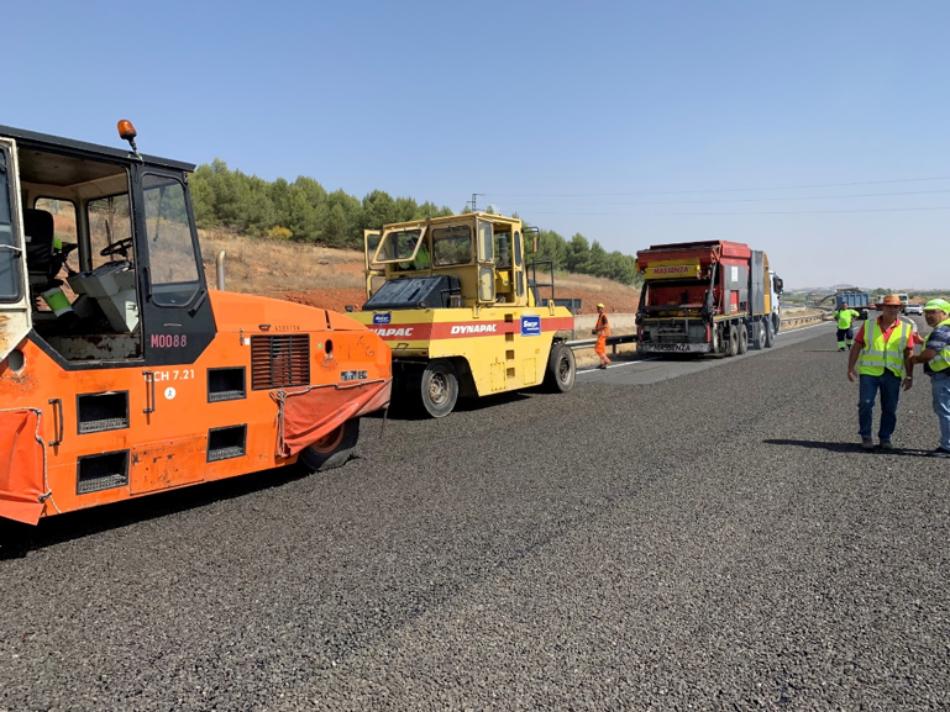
[438,388]
[329,442]
[564,369]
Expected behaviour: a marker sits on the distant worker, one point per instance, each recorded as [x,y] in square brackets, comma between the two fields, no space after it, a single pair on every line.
[845,316]
[883,357]
[936,359]
[601,331]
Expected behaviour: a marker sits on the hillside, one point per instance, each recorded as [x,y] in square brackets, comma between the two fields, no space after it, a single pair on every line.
[331,279]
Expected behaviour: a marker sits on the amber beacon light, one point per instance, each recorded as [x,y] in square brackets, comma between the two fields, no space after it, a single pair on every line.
[127,133]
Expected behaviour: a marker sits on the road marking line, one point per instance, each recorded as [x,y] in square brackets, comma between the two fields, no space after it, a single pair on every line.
[617,365]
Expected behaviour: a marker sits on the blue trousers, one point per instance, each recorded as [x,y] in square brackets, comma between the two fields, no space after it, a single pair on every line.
[890,387]
[941,388]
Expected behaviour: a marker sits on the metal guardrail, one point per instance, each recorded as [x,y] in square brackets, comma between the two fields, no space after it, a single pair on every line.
[615,341]
[806,319]
[611,341]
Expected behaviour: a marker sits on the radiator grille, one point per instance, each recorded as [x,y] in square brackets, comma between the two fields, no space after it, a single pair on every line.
[280,361]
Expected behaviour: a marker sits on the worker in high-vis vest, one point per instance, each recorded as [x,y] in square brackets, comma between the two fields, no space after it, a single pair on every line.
[882,356]
[601,331]
[844,317]
[936,359]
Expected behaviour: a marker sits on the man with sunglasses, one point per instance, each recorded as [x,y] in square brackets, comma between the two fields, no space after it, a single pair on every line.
[882,360]
[936,360]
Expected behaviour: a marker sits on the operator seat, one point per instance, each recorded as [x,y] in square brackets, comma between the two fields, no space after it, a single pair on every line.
[43,263]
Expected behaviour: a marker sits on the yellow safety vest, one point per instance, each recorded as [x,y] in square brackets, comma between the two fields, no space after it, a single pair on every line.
[845,317]
[942,360]
[876,354]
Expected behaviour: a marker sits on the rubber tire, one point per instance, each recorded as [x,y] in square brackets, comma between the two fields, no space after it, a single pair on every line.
[334,452]
[439,376]
[769,335]
[743,339]
[733,348]
[758,335]
[561,372]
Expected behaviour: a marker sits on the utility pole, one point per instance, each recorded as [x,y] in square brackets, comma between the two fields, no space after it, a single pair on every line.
[475,201]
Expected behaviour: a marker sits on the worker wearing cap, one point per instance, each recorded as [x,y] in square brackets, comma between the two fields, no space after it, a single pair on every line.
[936,359]
[883,357]
[845,316]
[601,331]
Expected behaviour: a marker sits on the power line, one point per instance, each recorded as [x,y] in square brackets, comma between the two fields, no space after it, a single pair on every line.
[760,212]
[766,200]
[714,190]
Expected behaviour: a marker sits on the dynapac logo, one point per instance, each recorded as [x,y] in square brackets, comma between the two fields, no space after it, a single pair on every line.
[474,329]
[394,332]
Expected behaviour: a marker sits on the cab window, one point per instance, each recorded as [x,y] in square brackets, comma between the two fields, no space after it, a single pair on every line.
[452,245]
[110,221]
[11,289]
[397,245]
[173,259]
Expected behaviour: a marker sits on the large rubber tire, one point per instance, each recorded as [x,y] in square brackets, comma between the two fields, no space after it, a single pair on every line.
[439,388]
[758,335]
[561,372]
[769,334]
[733,347]
[331,451]
[743,338]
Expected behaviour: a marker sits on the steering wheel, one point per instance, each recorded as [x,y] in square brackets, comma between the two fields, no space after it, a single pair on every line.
[121,247]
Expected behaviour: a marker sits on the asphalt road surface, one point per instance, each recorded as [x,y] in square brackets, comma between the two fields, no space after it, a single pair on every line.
[712,541]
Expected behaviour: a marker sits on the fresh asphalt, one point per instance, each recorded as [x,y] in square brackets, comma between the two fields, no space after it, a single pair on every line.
[712,541]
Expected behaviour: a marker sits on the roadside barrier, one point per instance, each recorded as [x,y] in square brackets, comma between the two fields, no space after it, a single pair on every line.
[615,341]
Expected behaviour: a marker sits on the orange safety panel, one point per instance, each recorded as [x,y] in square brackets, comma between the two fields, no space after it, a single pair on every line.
[21,467]
[169,463]
[308,415]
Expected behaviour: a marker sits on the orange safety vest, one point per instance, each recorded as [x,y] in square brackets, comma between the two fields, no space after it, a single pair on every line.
[602,324]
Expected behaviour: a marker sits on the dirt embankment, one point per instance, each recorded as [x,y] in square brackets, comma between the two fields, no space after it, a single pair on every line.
[332,279]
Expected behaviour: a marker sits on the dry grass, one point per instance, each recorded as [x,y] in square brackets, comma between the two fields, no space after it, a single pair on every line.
[587,283]
[264,266]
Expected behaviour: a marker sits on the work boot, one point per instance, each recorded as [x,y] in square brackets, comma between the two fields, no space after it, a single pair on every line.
[887,445]
[603,366]
[867,443]
[841,348]
[939,452]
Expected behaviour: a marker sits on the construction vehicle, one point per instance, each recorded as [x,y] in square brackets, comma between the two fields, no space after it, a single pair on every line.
[121,374]
[856,299]
[775,287]
[706,297]
[453,299]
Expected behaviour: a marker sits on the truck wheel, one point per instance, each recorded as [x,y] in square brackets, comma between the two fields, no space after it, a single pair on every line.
[439,388]
[733,341]
[332,450]
[561,371]
[769,334]
[758,335]
[743,338]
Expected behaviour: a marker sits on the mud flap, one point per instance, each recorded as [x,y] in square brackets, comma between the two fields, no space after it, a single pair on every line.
[21,466]
[307,415]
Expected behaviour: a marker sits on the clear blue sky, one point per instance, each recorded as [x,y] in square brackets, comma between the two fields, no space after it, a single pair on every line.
[604,118]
